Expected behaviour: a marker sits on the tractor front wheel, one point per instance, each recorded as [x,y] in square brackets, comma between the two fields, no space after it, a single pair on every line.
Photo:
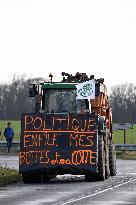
[31,178]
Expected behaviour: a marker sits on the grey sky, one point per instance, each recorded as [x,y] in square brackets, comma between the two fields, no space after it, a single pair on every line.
[98,37]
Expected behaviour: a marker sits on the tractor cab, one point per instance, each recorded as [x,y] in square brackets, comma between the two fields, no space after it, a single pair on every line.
[60,97]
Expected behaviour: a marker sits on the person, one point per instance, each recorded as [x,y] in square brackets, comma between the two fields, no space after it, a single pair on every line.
[9,134]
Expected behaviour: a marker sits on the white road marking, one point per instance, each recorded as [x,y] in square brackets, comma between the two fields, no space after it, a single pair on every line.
[97,193]
[37,202]
[112,202]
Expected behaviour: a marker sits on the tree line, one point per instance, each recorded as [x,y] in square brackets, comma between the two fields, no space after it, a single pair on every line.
[123,103]
[14,100]
[14,97]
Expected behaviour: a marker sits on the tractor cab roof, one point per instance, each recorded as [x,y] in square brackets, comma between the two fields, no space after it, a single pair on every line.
[70,81]
[58,85]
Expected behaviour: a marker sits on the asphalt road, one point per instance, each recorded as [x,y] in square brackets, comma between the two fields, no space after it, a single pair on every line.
[9,161]
[68,189]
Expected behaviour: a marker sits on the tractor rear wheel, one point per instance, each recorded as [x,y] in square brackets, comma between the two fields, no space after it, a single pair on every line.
[112,160]
[107,168]
[101,159]
[107,163]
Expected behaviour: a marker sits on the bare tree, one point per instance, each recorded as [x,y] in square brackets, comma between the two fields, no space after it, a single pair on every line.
[14,98]
[123,102]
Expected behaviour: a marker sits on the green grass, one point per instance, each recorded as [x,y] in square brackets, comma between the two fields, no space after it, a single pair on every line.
[118,136]
[126,155]
[9,176]
[16,127]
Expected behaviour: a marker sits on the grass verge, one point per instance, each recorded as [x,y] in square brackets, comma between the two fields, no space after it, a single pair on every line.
[118,136]
[126,155]
[9,176]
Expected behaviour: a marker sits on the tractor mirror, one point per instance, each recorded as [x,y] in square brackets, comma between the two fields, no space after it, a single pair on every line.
[31,92]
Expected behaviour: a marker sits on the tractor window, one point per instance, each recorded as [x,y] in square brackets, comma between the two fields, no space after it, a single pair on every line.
[60,101]
[82,105]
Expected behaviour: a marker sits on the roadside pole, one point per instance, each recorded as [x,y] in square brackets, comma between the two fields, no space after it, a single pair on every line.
[124,136]
[124,139]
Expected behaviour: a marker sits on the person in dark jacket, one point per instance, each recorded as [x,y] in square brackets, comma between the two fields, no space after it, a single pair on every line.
[9,134]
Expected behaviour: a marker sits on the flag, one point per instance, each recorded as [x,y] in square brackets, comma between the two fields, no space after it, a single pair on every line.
[86,90]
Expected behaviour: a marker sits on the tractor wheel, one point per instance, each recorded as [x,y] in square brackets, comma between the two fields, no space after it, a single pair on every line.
[31,178]
[48,177]
[107,168]
[101,175]
[107,163]
[90,177]
[112,160]
[101,159]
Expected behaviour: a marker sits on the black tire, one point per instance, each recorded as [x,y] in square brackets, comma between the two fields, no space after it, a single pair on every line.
[107,163]
[107,169]
[101,159]
[90,177]
[31,178]
[101,163]
[112,160]
[48,177]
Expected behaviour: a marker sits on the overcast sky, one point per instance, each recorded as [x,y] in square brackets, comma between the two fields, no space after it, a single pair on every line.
[97,37]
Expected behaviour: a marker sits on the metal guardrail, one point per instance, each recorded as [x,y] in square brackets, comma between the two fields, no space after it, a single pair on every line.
[14,144]
[125,147]
[122,126]
[15,147]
